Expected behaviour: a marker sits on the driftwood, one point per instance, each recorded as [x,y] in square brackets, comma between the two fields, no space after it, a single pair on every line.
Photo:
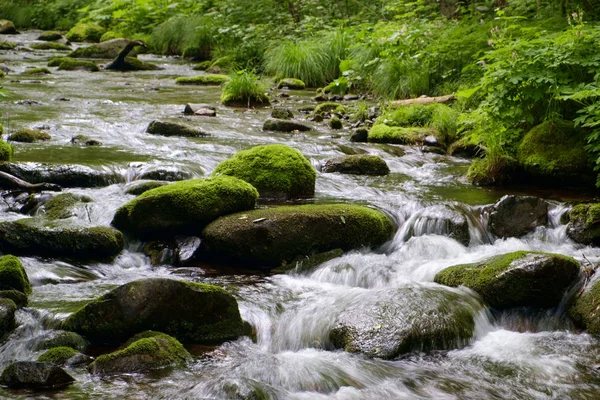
[424,100]
[8,181]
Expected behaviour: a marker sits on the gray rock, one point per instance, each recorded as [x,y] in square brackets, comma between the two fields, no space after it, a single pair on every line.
[206,112]
[35,375]
[282,113]
[515,216]
[359,164]
[360,135]
[173,129]
[63,175]
[7,27]
[281,125]
[192,108]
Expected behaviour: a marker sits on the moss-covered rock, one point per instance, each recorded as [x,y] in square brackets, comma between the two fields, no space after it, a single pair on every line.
[465,147]
[585,311]
[275,236]
[144,352]
[381,133]
[84,140]
[329,107]
[359,164]
[72,64]
[515,216]
[63,339]
[108,49]
[85,33]
[191,312]
[58,355]
[50,46]
[65,175]
[291,83]
[173,129]
[519,279]
[18,297]
[6,151]
[282,113]
[49,36]
[584,224]
[7,316]
[7,27]
[29,136]
[37,71]
[13,275]
[554,153]
[492,171]
[34,236]
[335,123]
[399,321]
[62,205]
[137,188]
[34,375]
[275,170]
[185,207]
[284,125]
[7,46]
[203,80]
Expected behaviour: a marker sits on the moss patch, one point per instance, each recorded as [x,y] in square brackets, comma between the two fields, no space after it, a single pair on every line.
[329,107]
[275,170]
[49,36]
[18,297]
[291,83]
[64,339]
[61,206]
[72,64]
[382,133]
[143,187]
[584,224]
[7,316]
[492,171]
[13,275]
[275,236]
[29,136]
[185,207]
[586,310]
[85,33]
[6,151]
[37,71]
[50,46]
[204,80]
[58,355]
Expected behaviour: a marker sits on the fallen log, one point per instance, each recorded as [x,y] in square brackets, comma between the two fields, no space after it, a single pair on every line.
[8,181]
[423,100]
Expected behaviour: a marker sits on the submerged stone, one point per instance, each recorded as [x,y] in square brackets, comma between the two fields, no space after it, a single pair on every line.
[519,279]
[440,220]
[403,320]
[515,216]
[34,375]
[359,164]
[85,33]
[291,83]
[191,312]
[276,236]
[584,224]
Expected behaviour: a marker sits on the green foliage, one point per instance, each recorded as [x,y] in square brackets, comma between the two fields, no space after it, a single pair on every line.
[171,36]
[58,355]
[206,80]
[85,32]
[244,89]
[304,60]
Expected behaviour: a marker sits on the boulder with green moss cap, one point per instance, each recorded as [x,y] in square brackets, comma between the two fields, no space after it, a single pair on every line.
[191,312]
[64,356]
[275,170]
[72,64]
[13,275]
[585,311]
[7,27]
[34,375]
[36,236]
[6,151]
[64,205]
[172,129]
[381,133]
[144,352]
[203,80]
[554,153]
[284,125]
[50,46]
[18,297]
[584,224]
[7,316]
[275,236]
[291,83]
[359,164]
[282,113]
[394,322]
[184,207]
[49,36]
[85,33]
[29,136]
[329,108]
[519,279]
[108,49]
[63,339]
[37,71]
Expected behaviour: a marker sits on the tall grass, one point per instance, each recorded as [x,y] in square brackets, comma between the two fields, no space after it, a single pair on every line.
[244,88]
[200,40]
[400,78]
[171,36]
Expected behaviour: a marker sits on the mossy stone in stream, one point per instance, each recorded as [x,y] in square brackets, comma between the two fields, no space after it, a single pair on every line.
[50,46]
[34,375]
[275,170]
[554,153]
[6,151]
[172,129]
[585,311]
[358,164]
[191,312]
[282,113]
[58,355]
[61,206]
[144,352]
[29,136]
[36,71]
[271,237]
[18,297]
[335,123]
[35,236]
[381,133]
[7,27]
[202,66]
[204,80]
[291,83]
[329,107]
[519,279]
[72,64]
[492,171]
[7,316]
[141,187]
[7,46]
[64,339]
[184,207]
[85,33]
[49,36]
[13,275]
[584,224]
[107,49]
[284,125]
[65,175]
[85,141]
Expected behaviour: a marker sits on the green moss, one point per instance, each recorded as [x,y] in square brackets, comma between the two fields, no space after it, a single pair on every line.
[202,66]
[50,36]
[329,107]
[2,74]
[205,80]
[61,206]
[503,284]
[64,339]
[110,35]
[381,133]
[7,316]
[6,151]
[18,297]
[29,136]
[335,123]
[492,171]
[85,141]
[58,355]
[13,275]
[85,32]
[71,64]
[185,206]
[275,236]
[291,83]
[50,46]
[37,71]
[586,310]
[7,46]
[35,236]
[244,90]
[146,351]
[275,170]
[554,152]
[143,187]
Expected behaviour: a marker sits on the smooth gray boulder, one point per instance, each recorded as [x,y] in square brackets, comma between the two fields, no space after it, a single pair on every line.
[515,216]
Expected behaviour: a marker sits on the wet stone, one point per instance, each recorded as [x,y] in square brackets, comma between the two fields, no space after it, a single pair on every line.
[35,375]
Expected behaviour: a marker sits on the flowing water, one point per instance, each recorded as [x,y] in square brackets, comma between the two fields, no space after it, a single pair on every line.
[513,355]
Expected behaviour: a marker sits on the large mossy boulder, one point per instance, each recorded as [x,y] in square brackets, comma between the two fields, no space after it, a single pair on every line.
[7,27]
[272,237]
[108,49]
[382,133]
[406,319]
[34,375]
[64,175]
[585,311]
[275,170]
[358,164]
[13,275]
[519,279]
[584,224]
[291,83]
[7,316]
[144,352]
[172,129]
[184,207]
[203,80]
[6,151]
[49,36]
[85,33]
[554,153]
[515,216]
[39,237]
[191,312]
[58,355]
[29,136]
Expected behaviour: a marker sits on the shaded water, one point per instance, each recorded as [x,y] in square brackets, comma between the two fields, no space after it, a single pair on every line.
[517,355]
